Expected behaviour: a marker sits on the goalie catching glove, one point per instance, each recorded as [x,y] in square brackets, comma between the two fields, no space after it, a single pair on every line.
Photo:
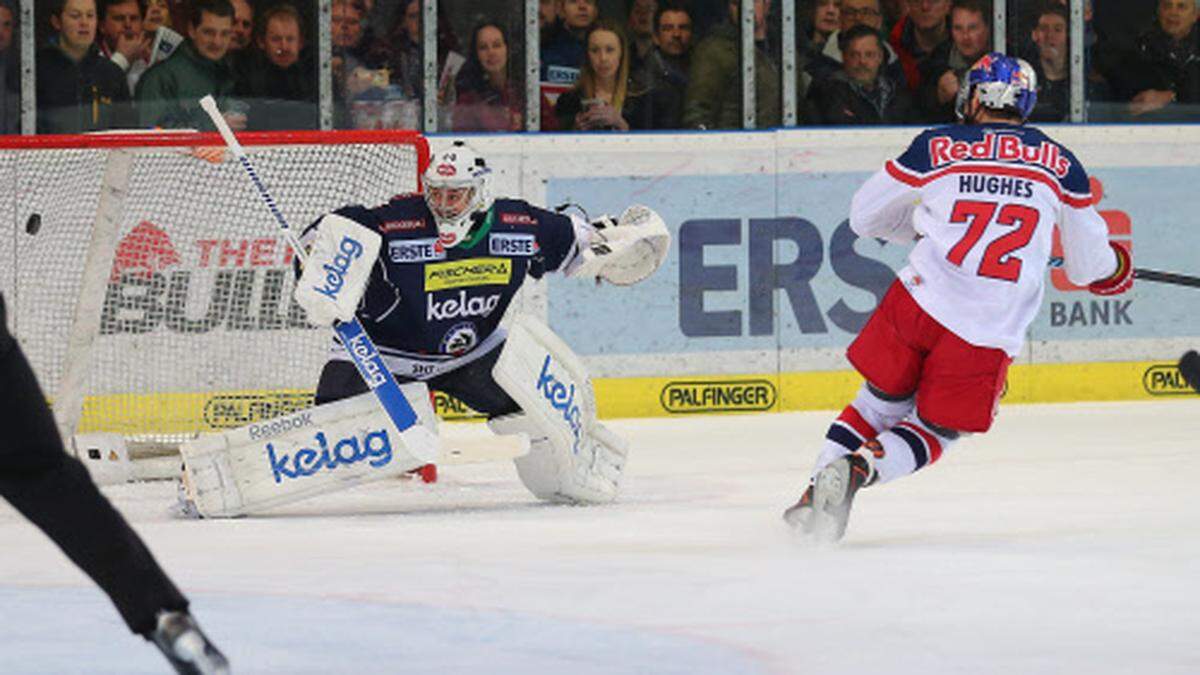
[626,250]
[338,268]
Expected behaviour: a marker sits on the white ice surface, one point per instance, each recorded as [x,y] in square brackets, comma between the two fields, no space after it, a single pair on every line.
[1067,540]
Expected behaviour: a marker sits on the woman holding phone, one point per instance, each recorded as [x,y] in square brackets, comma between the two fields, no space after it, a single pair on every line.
[604,98]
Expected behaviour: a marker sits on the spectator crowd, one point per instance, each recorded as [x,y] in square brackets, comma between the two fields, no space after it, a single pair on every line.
[604,64]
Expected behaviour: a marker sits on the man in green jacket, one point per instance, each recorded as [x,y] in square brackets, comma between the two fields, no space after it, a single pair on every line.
[714,94]
[169,94]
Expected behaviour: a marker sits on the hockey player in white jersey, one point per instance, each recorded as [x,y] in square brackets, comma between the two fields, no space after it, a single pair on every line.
[979,201]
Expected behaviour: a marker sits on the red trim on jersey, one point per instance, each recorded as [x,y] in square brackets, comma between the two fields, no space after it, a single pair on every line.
[895,170]
[932,444]
[853,419]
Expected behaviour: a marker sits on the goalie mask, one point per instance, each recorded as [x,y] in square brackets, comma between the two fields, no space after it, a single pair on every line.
[1004,83]
[457,192]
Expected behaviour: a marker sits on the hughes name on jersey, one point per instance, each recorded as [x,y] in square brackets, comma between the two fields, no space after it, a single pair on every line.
[982,202]
[430,308]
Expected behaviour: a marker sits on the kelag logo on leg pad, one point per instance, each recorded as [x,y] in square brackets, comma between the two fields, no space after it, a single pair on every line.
[375,448]
[561,397]
[718,396]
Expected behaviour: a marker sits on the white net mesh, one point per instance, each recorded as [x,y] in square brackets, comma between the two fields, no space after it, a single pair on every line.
[193,327]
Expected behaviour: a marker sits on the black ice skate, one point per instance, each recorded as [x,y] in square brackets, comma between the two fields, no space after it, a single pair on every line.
[824,508]
[186,646]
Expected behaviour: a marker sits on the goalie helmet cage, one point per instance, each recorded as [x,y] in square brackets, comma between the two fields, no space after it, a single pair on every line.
[150,288]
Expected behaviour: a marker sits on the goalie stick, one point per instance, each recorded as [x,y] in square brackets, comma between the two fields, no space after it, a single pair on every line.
[351,334]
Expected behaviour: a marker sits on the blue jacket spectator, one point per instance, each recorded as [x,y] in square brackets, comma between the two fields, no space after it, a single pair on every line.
[564,50]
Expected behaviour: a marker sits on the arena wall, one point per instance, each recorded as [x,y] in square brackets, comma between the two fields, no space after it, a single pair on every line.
[765,284]
[764,287]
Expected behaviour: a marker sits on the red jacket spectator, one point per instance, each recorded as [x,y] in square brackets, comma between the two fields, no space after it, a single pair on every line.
[914,37]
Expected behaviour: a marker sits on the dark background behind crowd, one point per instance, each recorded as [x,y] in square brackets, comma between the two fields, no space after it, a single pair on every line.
[604,64]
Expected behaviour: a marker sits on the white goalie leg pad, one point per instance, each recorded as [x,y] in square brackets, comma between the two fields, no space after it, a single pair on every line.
[324,449]
[572,458]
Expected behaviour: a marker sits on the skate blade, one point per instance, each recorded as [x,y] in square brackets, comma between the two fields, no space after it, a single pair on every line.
[184,507]
[811,527]
[798,518]
[191,649]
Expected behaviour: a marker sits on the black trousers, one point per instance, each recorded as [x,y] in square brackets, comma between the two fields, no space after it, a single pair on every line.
[54,491]
[472,384]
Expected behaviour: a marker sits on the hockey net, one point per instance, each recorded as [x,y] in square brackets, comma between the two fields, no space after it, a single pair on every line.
[151,289]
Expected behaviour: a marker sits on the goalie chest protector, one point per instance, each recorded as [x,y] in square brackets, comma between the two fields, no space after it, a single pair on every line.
[428,300]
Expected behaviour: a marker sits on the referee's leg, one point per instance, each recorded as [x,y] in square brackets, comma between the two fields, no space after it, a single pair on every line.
[55,492]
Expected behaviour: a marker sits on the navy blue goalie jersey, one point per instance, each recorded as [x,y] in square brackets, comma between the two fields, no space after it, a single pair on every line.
[430,308]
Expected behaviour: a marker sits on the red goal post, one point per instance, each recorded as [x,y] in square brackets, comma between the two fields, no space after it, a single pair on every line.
[149,287]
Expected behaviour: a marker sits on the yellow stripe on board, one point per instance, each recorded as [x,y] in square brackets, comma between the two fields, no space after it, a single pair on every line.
[191,412]
[187,412]
[832,390]
[1121,381]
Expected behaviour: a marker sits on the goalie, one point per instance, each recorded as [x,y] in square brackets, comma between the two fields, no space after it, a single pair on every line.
[449,263]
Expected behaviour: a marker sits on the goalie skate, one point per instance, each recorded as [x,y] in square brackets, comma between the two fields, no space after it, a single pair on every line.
[824,508]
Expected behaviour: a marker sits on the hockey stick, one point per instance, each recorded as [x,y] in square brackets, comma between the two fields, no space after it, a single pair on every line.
[422,443]
[1166,277]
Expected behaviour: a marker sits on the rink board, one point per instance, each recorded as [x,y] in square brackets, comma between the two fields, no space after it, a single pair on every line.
[765,274]
[660,396]
[763,289]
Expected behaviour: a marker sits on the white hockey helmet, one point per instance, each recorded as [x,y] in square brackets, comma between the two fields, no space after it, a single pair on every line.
[457,190]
